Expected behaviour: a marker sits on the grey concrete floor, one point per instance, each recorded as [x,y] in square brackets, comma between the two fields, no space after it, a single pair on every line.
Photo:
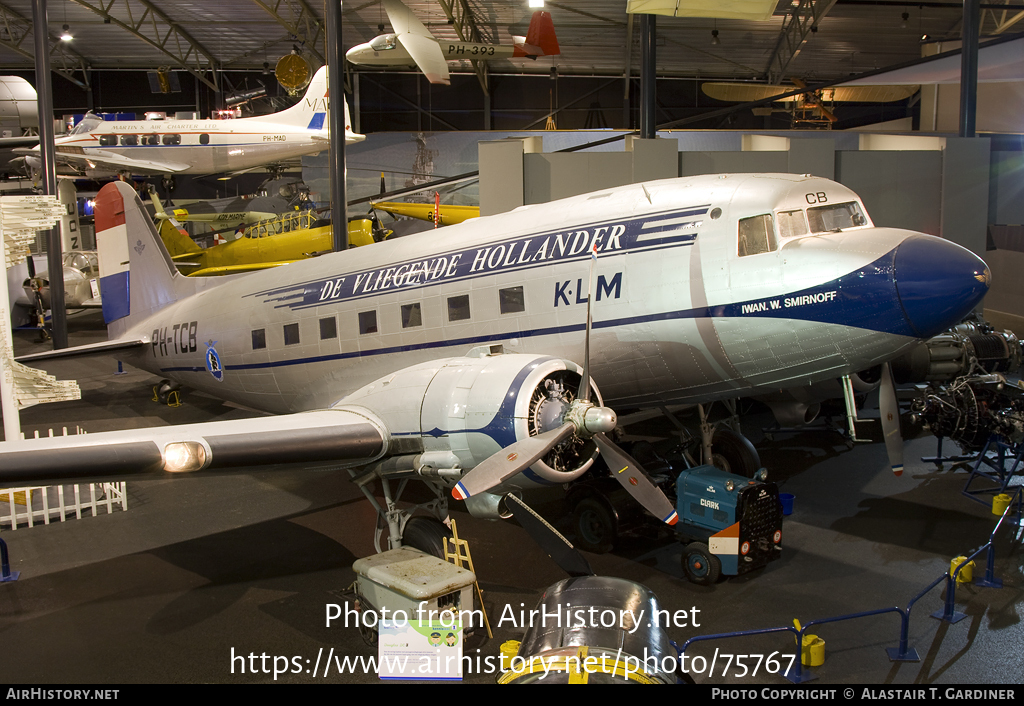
[198,570]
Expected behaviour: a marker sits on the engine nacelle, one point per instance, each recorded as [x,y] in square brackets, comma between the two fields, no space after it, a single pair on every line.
[470,408]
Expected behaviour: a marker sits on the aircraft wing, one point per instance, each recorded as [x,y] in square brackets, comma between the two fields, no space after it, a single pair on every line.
[114,161]
[235,269]
[418,41]
[20,141]
[403,20]
[328,438]
[426,52]
[102,347]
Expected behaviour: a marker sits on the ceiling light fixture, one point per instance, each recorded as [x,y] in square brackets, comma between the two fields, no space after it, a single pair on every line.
[66,34]
[714,37]
[536,3]
[905,16]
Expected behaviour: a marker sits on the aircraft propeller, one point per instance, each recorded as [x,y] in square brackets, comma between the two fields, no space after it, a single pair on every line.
[889,409]
[584,419]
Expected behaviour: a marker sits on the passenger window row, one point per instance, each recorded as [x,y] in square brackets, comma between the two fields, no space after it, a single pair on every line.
[146,140]
[511,300]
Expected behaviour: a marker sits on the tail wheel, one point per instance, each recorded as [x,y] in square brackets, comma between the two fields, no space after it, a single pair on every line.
[700,565]
[733,453]
[595,526]
[426,534]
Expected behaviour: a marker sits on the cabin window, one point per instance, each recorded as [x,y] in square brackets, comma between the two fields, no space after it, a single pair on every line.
[791,223]
[204,139]
[151,139]
[108,140]
[129,140]
[367,322]
[825,219]
[291,334]
[172,139]
[511,300]
[328,328]
[259,339]
[756,235]
[411,315]
[458,308]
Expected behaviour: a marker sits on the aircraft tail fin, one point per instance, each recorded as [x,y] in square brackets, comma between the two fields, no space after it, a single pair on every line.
[137,276]
[540,38]
[176,240]
[311,110]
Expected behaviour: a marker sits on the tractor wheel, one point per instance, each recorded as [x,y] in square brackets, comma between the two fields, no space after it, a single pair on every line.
[700,565]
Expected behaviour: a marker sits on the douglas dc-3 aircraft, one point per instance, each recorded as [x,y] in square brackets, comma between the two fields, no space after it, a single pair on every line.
[99,148]
[450,359]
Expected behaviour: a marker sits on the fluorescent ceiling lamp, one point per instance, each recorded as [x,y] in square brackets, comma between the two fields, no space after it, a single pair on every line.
[720,9]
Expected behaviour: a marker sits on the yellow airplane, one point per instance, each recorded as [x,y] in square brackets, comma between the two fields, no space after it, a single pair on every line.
[449,214]
[271,243]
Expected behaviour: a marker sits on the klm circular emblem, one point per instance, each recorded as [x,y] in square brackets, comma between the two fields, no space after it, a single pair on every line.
[213,361]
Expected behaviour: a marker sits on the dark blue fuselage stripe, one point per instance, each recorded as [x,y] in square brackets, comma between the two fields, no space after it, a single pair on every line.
[865,298]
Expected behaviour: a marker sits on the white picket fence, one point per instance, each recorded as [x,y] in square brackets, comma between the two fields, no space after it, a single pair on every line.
[41,504]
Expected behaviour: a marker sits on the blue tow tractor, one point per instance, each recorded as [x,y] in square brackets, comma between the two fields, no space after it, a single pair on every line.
[728,524]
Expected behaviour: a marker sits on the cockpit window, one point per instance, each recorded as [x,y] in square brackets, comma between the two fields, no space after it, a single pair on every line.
[383,42]
[825,219]
[791,223]
[86,262]
[87,124]
[756,235]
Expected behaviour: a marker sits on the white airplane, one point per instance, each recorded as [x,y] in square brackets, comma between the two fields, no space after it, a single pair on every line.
[452,360]
[411,44]
[99,148]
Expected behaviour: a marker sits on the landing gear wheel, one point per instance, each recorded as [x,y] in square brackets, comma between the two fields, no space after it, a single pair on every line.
[369,634]
[733,453]
[700,565]
[426,534]
[595,526]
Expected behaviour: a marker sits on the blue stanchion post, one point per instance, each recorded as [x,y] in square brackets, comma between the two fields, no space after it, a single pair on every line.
[5,565]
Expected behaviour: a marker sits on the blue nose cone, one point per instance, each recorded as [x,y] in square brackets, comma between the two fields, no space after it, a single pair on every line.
[938,283]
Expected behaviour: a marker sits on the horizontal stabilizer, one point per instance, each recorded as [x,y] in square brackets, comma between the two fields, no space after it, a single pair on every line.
[327,438]
[101,348]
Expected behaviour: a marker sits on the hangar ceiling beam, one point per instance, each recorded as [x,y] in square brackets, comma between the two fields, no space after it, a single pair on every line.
[462,21]
[143,20]
[1004,22]
[298,18]
[15,29]
[801,21]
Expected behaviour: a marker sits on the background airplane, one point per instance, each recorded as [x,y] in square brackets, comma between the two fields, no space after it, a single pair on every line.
[100,148]
[704,288]
[411,44]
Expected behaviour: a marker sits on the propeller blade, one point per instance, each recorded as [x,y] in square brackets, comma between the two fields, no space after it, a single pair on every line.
[889,408]
[584,391]
[509,461]
[630,475]
[549,539]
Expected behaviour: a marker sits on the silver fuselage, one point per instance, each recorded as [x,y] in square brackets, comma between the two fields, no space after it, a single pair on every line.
[678,315]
